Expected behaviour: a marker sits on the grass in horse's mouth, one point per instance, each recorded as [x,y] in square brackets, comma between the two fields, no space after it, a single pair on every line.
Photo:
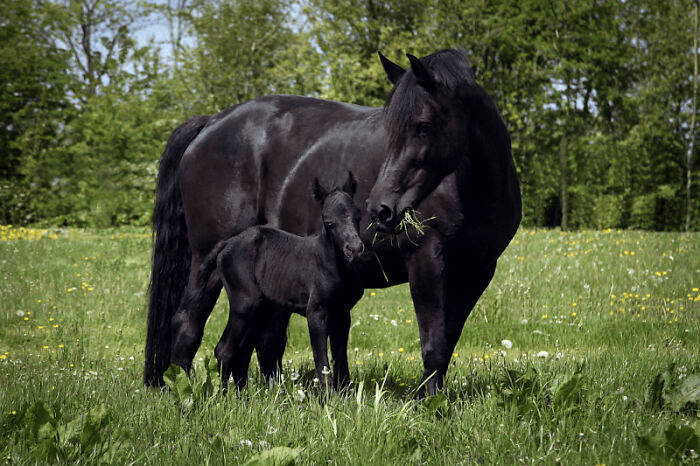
[410,219]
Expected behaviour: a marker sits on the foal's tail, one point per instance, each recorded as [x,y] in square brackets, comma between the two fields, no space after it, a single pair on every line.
[209,264]
[171,252]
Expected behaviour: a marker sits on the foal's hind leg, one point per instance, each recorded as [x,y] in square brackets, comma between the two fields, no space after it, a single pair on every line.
[271,346]
[247,319]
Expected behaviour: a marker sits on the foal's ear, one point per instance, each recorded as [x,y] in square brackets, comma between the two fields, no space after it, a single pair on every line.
[423,75]
[318,191]
[350,185]
[393,71]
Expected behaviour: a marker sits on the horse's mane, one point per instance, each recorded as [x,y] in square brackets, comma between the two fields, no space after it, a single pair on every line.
[451,70]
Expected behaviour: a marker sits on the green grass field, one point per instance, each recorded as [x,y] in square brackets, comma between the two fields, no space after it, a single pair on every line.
[585,349]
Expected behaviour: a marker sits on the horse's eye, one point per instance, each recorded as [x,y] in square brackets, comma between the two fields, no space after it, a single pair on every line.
[423,128]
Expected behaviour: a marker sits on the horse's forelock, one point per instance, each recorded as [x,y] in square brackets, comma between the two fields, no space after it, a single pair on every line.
[451,70]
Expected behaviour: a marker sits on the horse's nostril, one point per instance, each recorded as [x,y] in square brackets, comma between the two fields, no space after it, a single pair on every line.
[385,214]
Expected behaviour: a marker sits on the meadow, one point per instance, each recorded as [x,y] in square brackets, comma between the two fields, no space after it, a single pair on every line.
[583,350]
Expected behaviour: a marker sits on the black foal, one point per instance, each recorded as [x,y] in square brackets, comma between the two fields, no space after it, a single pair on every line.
[266,270]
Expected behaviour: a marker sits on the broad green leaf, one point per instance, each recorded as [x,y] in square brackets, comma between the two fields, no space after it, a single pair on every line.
[278,456]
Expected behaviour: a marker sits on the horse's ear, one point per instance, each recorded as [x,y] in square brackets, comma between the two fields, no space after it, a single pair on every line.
[318,191]
[423,75]
[393,71]
[350,185]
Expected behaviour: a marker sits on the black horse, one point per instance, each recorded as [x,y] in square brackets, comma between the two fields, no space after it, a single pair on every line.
[267,271]
[440,146]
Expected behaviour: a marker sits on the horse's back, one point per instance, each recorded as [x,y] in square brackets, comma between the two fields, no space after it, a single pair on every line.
[254,163]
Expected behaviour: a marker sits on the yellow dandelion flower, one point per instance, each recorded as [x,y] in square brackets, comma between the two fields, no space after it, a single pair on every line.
[400,350]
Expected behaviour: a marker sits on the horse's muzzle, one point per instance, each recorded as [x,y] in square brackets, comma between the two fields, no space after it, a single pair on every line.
[384,218]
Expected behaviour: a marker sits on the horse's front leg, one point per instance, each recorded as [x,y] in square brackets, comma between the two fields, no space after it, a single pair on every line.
[444,292]
[427,273]
[317,319]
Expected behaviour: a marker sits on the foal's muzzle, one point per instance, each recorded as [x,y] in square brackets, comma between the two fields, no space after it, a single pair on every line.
[354,250]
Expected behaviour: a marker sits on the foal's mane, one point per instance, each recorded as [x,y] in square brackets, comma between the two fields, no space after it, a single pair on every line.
[450,69]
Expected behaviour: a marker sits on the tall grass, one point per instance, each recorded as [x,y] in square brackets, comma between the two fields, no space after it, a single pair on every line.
[583,350]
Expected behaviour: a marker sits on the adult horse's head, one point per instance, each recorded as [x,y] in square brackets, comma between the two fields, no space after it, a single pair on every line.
[427,124]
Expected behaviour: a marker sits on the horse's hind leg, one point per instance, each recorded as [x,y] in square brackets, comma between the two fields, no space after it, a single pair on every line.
[188,322]
[271,345]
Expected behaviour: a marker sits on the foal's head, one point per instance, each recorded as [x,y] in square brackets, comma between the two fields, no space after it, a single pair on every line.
[341,217]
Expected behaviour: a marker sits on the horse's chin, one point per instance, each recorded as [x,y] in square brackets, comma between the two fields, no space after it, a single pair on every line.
[387,228]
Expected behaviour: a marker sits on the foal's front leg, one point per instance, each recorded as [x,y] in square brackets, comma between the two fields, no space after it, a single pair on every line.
[339,331]
[317,319]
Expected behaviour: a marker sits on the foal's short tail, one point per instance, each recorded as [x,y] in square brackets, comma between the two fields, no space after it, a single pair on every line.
[209,264]
[171,252]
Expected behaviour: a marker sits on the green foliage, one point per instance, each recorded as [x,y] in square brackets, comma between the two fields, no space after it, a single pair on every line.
[192,392]
[277,456]
[676,390]
[245,49]
[672,444]
[597,96]
[50,438]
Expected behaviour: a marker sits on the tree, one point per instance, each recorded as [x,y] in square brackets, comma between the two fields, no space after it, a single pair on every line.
[243,49]
[96,165]
[349,35]
[98,36]
[32,97]
[690,158]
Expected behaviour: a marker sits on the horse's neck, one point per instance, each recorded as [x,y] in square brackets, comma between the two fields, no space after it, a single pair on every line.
[490,160]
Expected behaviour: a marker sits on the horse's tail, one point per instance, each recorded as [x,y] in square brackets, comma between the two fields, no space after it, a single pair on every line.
[171,252]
